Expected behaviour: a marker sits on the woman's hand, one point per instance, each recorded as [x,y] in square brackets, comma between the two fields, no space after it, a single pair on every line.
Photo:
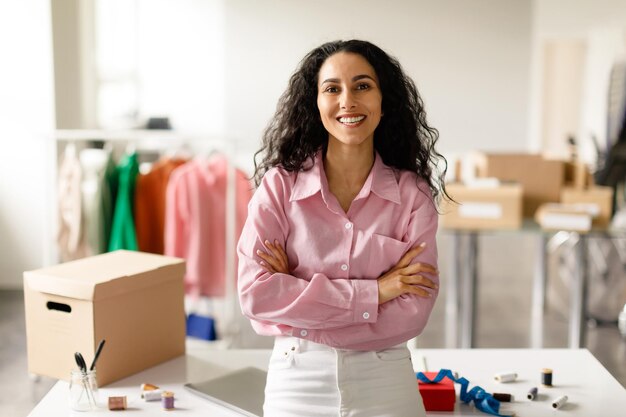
[274,261]
[405,278]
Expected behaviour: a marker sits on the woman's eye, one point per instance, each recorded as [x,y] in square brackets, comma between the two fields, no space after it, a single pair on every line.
[331,89]
[362,86]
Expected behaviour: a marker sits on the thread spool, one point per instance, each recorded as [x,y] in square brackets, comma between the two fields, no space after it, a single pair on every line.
[167,400]
[117,403]
[154,395]
[503,397]
[558,403]
[532,394]
[546,377]
[509,377]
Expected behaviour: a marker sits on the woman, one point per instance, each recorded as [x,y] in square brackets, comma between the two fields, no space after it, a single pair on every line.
[338,256]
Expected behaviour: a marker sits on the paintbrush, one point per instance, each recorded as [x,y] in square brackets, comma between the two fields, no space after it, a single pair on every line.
[95,358]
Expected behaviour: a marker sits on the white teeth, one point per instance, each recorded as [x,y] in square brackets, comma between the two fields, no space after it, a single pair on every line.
[351,119]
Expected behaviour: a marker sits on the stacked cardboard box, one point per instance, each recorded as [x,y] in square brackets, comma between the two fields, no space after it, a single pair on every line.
[556,217]
[483,207]
[599,201]
[541,179]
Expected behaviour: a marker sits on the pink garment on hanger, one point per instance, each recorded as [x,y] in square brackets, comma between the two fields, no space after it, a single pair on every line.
[195,221]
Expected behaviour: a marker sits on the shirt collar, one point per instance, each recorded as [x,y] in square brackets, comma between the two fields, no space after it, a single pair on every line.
[381,181]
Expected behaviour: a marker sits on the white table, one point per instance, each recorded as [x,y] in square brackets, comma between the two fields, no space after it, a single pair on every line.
[592,391]
[463,280]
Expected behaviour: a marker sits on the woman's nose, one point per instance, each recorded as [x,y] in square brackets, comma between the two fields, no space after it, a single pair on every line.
[347,101]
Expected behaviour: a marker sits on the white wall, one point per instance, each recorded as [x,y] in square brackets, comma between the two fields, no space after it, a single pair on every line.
[181,63]
[601,26]
[475,63]
[469,59]
[72,36]
[26,117]
[576,18]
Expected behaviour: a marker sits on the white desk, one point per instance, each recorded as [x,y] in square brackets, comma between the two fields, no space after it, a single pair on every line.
[592,391]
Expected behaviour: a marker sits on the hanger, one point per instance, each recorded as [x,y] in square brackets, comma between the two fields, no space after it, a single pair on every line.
[180,151]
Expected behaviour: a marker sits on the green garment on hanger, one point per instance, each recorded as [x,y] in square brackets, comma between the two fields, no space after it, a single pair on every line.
[123,234]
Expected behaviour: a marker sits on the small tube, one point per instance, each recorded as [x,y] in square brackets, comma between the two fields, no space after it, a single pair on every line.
[503,397]
[532,393]
[167,400]
[117,403]
[558,403]
[154,395]
[546,377]
[508,377]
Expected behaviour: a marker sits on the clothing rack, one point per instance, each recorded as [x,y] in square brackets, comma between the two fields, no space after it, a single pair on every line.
[161,141]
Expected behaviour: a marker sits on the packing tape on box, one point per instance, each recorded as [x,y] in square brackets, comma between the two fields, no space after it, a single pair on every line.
[483,401]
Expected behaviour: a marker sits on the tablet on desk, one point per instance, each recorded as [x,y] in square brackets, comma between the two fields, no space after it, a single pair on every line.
[242,391]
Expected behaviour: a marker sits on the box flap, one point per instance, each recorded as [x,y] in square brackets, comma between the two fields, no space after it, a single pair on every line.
[79,279]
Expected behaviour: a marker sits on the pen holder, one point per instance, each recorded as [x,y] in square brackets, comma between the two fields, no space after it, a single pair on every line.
[83,391]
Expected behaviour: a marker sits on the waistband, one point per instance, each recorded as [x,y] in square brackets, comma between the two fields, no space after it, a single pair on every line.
[288,342]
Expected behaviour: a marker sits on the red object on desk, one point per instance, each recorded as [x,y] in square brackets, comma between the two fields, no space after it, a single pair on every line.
[437,397]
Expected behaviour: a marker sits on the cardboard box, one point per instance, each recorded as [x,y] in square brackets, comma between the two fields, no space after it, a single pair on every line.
[483,208]
[558,217]
[540,178]
[598,197]
[437,397]
[577,175]
[133,300]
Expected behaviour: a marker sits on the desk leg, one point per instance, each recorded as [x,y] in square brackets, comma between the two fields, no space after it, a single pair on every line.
[539,293]
[578,296]
[468,293]
[452,294]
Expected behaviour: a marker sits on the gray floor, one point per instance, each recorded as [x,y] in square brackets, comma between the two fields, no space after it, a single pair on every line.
[506,267]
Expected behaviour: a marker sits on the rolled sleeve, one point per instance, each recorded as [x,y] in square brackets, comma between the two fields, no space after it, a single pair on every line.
[366,306]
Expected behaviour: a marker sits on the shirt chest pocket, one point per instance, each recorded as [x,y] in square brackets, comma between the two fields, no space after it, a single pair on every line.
[384,253]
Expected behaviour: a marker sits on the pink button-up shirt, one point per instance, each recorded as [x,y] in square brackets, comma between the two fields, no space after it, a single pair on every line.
[335,258]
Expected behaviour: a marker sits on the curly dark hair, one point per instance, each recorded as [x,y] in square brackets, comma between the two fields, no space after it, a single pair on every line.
[402,138]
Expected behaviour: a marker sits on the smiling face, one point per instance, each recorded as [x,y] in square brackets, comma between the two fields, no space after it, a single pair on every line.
[349,99]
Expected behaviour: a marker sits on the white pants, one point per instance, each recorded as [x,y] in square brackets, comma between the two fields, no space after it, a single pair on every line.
[309,379]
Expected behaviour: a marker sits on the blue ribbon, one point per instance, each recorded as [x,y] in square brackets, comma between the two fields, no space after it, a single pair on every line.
[482,399]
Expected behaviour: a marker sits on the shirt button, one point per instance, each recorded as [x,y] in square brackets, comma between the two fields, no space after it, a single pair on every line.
[344,267]
[348,226]
[303,333]
[366,315]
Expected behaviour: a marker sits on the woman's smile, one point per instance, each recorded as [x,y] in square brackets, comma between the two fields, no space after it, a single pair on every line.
[351,121]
